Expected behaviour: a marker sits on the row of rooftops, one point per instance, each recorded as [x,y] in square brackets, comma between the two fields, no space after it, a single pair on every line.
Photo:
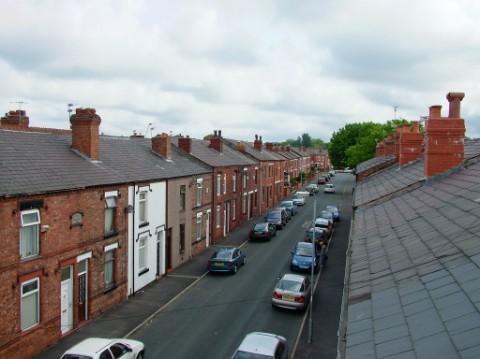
[39,160]
[413,289]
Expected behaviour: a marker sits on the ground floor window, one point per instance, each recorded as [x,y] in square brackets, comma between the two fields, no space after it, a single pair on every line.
[30,304]
[142,253]
[109,275]
[198,227]
[218,220]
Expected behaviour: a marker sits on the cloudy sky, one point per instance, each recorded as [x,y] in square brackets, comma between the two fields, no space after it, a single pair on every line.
[277,68]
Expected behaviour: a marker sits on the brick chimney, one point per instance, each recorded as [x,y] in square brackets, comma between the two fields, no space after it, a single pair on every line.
[410,142]
[240,147]
[257,144]
[17,119]
[85,139]
[380,149]
[162,146]
[389,142]
[185,144]
[269,146]
[444,137]
[216,141]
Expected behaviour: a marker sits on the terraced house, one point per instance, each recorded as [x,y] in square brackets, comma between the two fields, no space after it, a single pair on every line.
[84,223]
[413,267]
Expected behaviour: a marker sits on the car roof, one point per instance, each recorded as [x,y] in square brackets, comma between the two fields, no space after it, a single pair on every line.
[321,220]
[260,343]
[89,345]
[225,249]
[290,202]
[304,244]
[293,277]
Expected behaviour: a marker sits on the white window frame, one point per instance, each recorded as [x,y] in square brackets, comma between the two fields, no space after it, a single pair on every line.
[234,183]
[199,192]
[114,260]
[37,293]
[24,225]
[224,183]
[114,213]
[143,202]
[244,203]
[142,251]
[219,184]
[234,209]
[198,233]
[244,179]
[218,213]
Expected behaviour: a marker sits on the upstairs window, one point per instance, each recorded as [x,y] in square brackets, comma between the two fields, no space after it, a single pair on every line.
[219,185]
[199,192]
[224,184]
[234,183]
[182,197]
[110,211]
[29,233]
[142,207]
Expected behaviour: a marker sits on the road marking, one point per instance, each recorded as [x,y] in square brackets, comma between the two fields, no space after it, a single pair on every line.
[174,299]
[183,276]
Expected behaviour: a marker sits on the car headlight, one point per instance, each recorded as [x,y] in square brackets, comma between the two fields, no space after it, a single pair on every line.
[294,262]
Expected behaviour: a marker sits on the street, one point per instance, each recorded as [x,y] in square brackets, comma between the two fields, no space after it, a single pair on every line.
[210,319]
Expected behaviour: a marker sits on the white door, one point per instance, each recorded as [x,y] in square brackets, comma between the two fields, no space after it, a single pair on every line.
[66,315]
[207,230]
[160,252]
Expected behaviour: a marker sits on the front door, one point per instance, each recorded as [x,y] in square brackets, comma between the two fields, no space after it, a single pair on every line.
[83,290]
[160,259]
[207,230]
[66,315]
[168,250]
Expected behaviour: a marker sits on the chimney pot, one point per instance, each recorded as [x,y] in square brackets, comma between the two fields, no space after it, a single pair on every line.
[435,111]
[16,119]
[85,136]
[216,141]
[454,98]
[219,133]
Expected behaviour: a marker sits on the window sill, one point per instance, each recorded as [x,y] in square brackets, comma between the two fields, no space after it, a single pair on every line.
[108,290]
[29,258]
[144,224]
[143,271]
[110,235]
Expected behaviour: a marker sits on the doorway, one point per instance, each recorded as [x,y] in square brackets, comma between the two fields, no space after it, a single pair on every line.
[168,250]
[207,230]
[160,251]
[83,290]
[66,312]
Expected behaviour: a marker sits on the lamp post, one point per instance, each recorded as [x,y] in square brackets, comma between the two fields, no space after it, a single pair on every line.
[310,320]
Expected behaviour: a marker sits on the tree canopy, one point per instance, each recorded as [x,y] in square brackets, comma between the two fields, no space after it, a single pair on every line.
[305,140]
[356,142]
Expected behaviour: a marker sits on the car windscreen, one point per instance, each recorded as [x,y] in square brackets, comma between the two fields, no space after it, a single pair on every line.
[290,285]
[274,215]
[304,251]
[245,355]
[222,255]
[260,227]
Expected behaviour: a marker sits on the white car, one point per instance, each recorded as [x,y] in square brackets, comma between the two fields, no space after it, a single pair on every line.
[329,188]
[262,345]
[298,201]
[304,194]
[103,348]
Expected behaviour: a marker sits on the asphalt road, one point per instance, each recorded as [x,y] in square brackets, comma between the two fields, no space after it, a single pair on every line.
[211,319]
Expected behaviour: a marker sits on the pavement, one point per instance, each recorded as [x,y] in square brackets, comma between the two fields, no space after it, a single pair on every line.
[140,310]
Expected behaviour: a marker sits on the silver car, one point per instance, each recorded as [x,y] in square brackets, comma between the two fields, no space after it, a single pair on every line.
[259,345]
[292,292]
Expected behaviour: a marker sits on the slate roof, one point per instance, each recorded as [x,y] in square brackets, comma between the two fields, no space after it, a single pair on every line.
[262,155]
[39,163]
[368,164]
[210,156]
[414,286]
[396,178]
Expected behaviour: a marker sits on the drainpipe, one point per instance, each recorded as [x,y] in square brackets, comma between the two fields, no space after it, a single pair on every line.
[133,241]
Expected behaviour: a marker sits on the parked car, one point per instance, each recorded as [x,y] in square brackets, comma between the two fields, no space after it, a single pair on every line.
[327,215]
[302,257]
[226,259]
[104,348]
[329,188]
[331,173]
[304,194]
[259,345]
[292,292]
[290,207]
[263,230]
[284,211]
[298,201]
[324,223]
[334,210]
[321,235]
[321,180]
[277,218]
[312,188]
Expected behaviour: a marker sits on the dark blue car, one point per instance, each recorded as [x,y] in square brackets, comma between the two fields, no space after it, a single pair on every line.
[226,259]
[302,257]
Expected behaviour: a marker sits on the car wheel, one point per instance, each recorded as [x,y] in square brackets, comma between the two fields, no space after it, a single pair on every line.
[140,355]
[235,269]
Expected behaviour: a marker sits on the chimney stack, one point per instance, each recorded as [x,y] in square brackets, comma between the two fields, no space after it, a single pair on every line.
[216,141]
[444,137]
[162,146]
[257,144]
[16,119]
[269,146]
[389,142]
[380,149]
[410,142]
[85,138]
[185,144]
[240,147]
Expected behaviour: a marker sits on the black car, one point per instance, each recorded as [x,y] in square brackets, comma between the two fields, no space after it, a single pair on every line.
[263,231]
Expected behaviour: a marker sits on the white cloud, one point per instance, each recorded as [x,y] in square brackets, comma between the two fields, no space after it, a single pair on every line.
[277,68]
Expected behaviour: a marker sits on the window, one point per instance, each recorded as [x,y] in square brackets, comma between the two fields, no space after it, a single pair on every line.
[244,203]
[219,185]
[29,233]
[118,350]
[224,184]
[142,207]
[30,304]
[106,355]
[198,227]
[182,197]
[109,275]
[217,216]
[234,183]
[199,192]
[110,209]
[182,238]
[244,180]
[234,209]
[142,253]
[255,177]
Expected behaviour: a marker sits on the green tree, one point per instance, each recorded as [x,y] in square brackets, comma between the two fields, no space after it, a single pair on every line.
[306,140]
